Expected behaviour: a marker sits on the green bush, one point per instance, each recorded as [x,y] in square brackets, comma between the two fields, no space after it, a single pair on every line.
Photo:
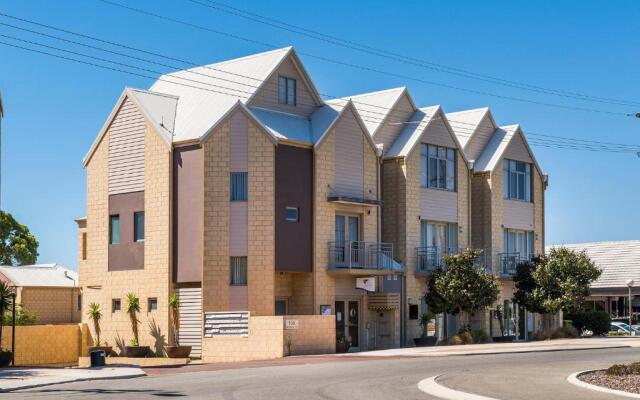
[455,340]
[624,369]
[480,336]
[597,322]
[565,331]
[467,337]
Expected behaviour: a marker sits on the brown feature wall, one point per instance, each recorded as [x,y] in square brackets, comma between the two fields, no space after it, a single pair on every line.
[127,254]
[187,214]
[294,188]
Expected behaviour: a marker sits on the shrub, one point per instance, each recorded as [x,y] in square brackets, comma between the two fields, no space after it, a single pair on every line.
[542,335]
[455,340]
[467,337]
[480,336]
[597,322]
[624,369]
[565,331]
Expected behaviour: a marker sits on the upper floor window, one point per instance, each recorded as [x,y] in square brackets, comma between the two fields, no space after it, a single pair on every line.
[84,245]
[517,180]
[437,167]
[238,186]
[239,271]
[138,226]
[519,243]
[114,229]
[292,214]
[287,91]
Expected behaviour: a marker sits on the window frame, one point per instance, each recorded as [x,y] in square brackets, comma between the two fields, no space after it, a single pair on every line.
[284,88]
[111,229]
[136,226]
[239,178]
[150,301]
[440,155]
[113,305]
[286,214]
[233,274]
[511,177]
[84,246]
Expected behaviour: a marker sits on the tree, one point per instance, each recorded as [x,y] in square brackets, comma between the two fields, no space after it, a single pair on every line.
[133,308]
[17,245]
[174,306]
[6,300]
[557,281]
[95,315]
[462,286]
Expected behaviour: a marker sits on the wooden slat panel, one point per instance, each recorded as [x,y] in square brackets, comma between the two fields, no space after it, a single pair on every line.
[385,301]
[126,150]
[190,324]
[349,158]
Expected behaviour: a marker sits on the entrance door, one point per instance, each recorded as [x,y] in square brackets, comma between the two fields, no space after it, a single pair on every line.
[347,237]
[347,321]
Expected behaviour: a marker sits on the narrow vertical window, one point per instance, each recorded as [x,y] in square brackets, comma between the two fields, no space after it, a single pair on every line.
[239,271]
[517,180]
[438,167]
[115,305]
[423,165]
[287,91]
[114,229]
[152,304]
[84,245]
[239,186]
[79,302]
[138,226]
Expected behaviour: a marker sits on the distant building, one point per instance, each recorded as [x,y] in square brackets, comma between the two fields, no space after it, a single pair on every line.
[619,262]
[48,290]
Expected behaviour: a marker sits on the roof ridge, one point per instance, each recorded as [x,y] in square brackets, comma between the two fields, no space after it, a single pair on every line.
[153,93]
[470,110]
[401,88]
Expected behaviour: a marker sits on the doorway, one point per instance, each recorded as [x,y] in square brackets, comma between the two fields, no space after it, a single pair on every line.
[348,321]
[347,237]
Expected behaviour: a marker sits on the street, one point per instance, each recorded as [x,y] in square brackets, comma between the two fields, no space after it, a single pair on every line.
[523,376]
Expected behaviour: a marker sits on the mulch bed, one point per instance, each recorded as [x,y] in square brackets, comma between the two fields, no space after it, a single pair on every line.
[627,383]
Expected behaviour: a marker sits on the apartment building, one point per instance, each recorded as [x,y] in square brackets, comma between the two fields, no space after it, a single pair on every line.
[283,220]
[507,206]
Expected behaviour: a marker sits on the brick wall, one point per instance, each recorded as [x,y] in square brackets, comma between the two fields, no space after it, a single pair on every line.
[101,286]
[316,334]
[52,305]
[538,211]
[265,341]
[45,344]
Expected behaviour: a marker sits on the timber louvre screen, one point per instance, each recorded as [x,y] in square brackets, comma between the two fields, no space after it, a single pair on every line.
[190,319]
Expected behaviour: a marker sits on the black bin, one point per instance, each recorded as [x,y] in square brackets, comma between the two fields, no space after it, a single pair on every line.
[97,358]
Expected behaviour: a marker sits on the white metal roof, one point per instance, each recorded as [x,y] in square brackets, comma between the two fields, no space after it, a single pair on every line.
[493,151]
[53,275]
[465,123]
[412,132]
[285,126]
[618,260]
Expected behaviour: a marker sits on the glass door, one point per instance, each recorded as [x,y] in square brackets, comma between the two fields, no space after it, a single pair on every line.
[348,248]
[348,321]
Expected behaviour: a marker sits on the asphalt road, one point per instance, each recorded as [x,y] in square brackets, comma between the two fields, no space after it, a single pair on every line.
[523,376]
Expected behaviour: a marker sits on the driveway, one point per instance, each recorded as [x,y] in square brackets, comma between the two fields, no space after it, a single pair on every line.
[522,376]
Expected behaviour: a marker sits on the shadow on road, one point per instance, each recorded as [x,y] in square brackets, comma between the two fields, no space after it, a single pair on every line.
[159,393]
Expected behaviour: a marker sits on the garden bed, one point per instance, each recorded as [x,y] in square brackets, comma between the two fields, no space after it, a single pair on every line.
[626,383]
[85,362]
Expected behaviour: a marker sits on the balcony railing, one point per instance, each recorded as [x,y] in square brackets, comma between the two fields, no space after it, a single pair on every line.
[509,262]
[431,258]
[361,255]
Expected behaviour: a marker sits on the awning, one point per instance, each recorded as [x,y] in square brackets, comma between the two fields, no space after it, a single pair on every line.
[354,200]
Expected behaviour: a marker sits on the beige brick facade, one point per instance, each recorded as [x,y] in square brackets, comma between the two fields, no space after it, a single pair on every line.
[153,281]
[51,305]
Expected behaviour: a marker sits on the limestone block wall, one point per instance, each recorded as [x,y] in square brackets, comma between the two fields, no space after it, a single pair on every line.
[315,334]
[153,281]
[538,211]
[415,286]
[45,344]
[52,305]
[464,225]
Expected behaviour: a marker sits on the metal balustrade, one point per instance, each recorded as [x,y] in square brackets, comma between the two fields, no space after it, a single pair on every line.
[361,255]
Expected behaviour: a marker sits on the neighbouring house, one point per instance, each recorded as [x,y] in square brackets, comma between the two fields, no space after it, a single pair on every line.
[619,262]
[48,290]
[269,210]
[507,209]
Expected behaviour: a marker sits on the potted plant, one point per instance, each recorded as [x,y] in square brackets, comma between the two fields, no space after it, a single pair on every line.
[342,344]
[176,351]
[95,315]
[425,340]
[133,308]
[6,300]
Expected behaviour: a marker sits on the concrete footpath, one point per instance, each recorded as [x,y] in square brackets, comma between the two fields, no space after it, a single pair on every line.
[500,348]
[25,378]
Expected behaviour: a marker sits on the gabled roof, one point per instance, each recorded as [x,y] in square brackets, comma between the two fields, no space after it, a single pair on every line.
[618,260]
[465,123]
[284,126]
[53,275]
[326,117]
[158,108]
[375,107]
[239,105]
[219,86]
[494,150]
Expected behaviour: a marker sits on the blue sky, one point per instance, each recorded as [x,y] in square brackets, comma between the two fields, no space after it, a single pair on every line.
[54,108]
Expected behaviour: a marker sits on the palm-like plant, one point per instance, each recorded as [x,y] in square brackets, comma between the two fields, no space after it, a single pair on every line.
[174,305]
[95,315]
[6,300]
[133,308]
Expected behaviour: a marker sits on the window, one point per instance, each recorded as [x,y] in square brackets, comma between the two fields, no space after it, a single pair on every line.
[114,229]
[292,214]
[79,302]
[152,304]
[238,186]
[84,245]
[287,91]
[519,243]
[115,305]
[413,311]
[517,180]
[281,307]
[440,236]
[138,226]
[437,167]
[239,270]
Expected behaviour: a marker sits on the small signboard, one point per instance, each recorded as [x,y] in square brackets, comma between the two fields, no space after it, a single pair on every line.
[291,324]
[368,284]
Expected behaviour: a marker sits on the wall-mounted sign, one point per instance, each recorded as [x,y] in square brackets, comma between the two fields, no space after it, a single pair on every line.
[325,309]
[291,324]
[368,284]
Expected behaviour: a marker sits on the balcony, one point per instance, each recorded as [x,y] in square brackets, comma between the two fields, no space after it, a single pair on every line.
[430,259]
[358,257]
[509,262]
